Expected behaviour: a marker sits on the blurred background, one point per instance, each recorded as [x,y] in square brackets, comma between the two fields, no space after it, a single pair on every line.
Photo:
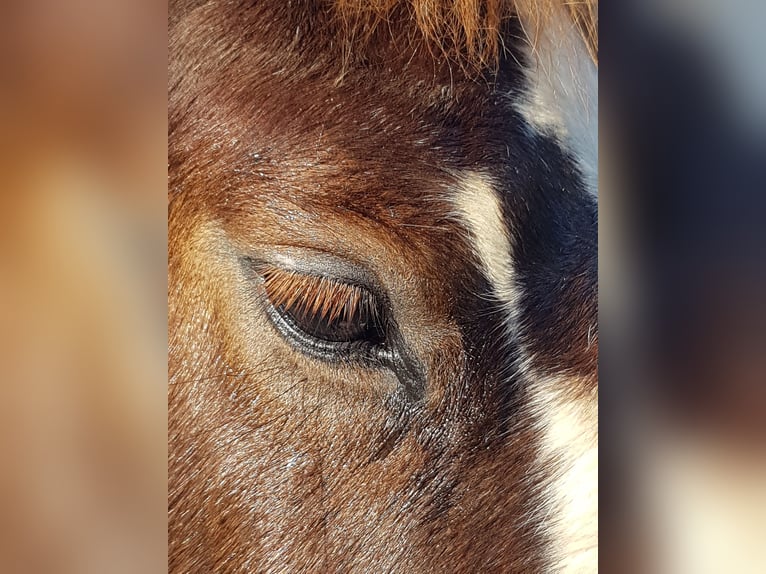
[682,258]
[83,286]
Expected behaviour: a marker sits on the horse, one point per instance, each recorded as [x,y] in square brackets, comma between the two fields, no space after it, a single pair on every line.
[382,286]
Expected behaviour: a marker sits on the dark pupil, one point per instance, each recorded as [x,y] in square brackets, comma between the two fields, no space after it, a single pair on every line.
[359,326]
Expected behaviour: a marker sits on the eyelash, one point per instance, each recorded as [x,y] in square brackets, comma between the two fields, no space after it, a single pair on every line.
[325,317]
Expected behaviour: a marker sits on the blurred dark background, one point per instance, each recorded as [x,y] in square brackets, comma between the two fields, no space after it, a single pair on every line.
[683,286]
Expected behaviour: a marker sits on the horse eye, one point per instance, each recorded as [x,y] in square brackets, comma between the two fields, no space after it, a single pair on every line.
[353,323]
[324,315]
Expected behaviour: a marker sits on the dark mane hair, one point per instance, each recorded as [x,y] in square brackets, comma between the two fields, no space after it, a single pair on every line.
[467,31]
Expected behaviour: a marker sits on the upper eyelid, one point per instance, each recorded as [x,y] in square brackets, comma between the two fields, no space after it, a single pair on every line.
[327,266]
[321,296]
[317,263]
[322,265]
[308,341]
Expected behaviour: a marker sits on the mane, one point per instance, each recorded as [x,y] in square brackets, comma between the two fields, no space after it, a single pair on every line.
[467,31]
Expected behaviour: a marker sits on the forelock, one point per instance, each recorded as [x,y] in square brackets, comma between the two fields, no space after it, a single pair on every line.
[469,32]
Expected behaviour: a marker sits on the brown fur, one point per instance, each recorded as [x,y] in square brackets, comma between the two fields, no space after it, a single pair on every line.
[282,463]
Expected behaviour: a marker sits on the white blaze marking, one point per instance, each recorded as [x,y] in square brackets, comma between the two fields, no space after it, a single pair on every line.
[478,206]
[569,455]
[561,99]
[561,96]
[568,427]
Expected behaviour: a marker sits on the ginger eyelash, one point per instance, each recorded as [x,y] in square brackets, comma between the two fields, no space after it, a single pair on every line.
[322,298]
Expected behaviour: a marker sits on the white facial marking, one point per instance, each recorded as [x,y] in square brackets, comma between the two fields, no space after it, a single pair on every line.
[561,99]
[478,207]
[569,455]
[568,427]
[561,95]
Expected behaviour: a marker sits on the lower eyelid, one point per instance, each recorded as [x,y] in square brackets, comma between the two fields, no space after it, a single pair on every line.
[326,350]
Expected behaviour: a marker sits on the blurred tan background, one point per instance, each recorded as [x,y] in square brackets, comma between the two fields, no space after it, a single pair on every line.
[82,286]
